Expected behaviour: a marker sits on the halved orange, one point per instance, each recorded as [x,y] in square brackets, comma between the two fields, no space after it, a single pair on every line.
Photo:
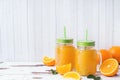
[48,61]
[72,75]
[109,67]
[63,68]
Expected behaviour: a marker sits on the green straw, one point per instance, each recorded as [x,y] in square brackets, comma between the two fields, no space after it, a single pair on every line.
[86,34]
[64,32]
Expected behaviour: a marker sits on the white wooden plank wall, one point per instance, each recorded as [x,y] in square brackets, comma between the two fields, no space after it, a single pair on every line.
[29,28]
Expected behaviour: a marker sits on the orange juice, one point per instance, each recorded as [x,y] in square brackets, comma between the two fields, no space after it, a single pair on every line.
[65,52]
[86,58]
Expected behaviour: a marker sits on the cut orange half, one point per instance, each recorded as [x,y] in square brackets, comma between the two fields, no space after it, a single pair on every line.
[109,67]
[48,61]
[63,69]
[72,75]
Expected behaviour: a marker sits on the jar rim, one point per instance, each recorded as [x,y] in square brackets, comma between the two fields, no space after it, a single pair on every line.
[86,43]
[64,40]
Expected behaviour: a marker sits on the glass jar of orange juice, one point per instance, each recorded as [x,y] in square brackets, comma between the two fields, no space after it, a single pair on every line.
[86,58]
[65,52]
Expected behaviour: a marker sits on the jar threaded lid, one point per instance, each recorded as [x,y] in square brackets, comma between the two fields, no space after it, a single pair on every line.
[64,40]
[86,43]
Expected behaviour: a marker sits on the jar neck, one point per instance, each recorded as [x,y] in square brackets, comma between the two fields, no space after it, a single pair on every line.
[85,47]
[64,43]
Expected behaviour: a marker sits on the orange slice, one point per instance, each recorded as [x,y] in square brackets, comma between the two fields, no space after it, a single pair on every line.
[63,69]
[109,67]
[72,75]
[48,61]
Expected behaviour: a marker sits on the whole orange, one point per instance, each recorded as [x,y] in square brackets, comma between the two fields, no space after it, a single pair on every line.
[105,54]
[115,51]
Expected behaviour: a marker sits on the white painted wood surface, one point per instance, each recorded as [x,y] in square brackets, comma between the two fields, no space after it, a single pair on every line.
[29,73]
[29,28]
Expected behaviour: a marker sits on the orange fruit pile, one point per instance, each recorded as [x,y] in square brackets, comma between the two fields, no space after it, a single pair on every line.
[109,67]
[63,68]
[48,61]
[72,75]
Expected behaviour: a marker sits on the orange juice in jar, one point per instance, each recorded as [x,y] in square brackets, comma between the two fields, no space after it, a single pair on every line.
[86,58]
[65,52]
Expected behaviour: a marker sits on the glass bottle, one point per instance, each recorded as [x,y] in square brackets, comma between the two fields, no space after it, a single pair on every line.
[86,58]
[65,52]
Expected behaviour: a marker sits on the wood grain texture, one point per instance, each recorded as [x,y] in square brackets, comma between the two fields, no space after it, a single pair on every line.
[116,16]
[29,28]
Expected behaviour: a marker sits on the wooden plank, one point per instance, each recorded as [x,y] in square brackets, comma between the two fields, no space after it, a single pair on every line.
[80,27]
[109,23]
[7,33]
[37,25]
[73,20]
[2,31]
[31,33]
[48,27]
[10,30]
[116,26]
[102,31]
[20,30]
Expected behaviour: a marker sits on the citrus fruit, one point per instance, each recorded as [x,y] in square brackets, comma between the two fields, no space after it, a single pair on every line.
[72,75]
[63,68]
[109,67]
[115,51]
[105,54]
[48,61]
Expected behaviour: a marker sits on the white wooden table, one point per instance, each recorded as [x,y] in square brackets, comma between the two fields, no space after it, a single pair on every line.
[27,71]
